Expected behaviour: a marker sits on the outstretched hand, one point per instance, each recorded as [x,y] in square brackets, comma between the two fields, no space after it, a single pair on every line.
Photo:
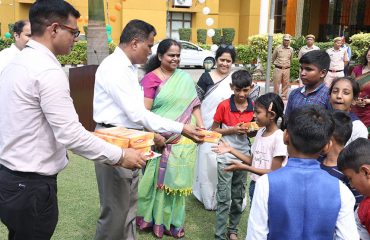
[222,147]
[235,165]
[193,133]
[132,159]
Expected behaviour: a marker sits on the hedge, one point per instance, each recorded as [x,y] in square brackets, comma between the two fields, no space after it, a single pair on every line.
[202,36]
[217,38]
[246,54]
[5,43]
[78,54]
[359,44]
[228,35]
[185,34]
[11,28]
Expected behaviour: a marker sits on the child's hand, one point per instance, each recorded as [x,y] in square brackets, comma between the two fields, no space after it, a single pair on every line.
[252,134]
[235,165]
[221,148]
[240,129]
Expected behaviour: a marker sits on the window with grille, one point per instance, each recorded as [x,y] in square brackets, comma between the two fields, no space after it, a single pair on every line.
[175,21]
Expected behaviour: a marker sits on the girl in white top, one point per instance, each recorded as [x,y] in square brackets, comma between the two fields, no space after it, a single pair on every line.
[268,149]
[344,93]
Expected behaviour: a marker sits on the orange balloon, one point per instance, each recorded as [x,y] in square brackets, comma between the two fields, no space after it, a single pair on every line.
[118,6]
[80,19]
[112,18]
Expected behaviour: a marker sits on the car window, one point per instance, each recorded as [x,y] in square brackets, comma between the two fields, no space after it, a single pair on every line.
[189,46]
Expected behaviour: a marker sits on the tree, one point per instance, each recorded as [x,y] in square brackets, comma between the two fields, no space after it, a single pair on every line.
[97,42]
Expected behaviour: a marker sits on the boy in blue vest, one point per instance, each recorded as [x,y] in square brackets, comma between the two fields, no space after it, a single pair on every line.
[300,200]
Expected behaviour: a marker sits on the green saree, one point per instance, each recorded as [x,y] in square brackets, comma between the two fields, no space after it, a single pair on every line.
[168,179]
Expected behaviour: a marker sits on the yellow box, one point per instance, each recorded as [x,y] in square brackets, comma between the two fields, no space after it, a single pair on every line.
[137,139]
[211,136]
[121,142]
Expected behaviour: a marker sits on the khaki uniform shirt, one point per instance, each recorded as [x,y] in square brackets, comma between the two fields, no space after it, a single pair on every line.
[337,58]
[306,49]
[282,56]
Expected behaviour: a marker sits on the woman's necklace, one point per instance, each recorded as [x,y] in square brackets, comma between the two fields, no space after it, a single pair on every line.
[164,74]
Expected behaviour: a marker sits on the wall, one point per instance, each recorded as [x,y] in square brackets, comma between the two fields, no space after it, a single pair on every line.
[313,26]
[291,11]
[249,19]
[7,12]
[229,16]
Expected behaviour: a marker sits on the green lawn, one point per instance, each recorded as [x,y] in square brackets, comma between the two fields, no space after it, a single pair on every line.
[79,208]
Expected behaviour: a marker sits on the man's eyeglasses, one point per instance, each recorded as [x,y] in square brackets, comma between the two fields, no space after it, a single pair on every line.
[227,46]
[75,32]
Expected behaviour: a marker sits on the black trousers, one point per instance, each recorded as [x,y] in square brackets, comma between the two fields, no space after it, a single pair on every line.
[28,204]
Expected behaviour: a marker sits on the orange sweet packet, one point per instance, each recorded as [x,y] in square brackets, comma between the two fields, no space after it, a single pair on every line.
[251,126]
[211,136]
[120,142]
[137,139]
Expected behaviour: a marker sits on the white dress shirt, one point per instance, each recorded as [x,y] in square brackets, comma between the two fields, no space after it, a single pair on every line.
[258,216]
[6,55]
[119,98]
[38,120]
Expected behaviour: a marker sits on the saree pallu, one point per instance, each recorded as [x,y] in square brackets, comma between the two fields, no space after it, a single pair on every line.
[168,180]
[364,112]
[205,182]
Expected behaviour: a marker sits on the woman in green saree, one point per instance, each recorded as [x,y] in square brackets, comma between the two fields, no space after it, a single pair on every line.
[167,180]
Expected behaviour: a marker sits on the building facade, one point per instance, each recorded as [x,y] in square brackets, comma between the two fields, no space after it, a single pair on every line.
[166,15]
[325,19]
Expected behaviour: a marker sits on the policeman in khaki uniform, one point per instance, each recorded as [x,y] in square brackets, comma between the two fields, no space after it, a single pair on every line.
[282,59]
[310,46]
[338,59]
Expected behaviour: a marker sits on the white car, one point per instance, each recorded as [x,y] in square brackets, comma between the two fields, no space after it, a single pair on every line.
[191,54]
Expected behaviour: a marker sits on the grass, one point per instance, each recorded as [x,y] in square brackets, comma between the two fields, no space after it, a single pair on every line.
[79,208]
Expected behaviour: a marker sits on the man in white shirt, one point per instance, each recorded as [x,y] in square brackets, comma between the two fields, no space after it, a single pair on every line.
[22,33]
[38,122]
[338,59]
[119,101]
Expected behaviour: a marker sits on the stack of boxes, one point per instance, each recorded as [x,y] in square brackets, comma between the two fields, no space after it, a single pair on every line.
[127,138]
